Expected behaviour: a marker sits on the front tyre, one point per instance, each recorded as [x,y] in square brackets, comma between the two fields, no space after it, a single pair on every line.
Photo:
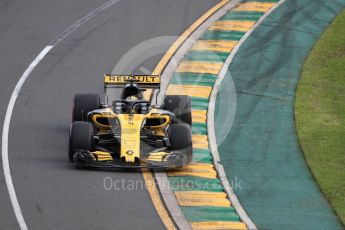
[181,106]
[80,138]
[83,104]
[180,136]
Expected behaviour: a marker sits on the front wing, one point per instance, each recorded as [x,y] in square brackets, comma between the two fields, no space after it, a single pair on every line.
[156,160]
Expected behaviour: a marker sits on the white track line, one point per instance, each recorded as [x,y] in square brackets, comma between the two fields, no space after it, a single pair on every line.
[211,130]
[166,75]
[14,96]
[161,177]
[5,130]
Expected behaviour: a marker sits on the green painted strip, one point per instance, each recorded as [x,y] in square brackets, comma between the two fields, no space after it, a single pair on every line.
[193,79]
[196,214]
[222,35]
[260,0]
[199,128]
[208,56]
[199,103]
[199,131]
[202,156]
[242,15]
[195,75]
[191,183]
[201,151]
[199,159]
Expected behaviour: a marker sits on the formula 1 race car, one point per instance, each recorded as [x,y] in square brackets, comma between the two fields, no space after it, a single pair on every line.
[127,131]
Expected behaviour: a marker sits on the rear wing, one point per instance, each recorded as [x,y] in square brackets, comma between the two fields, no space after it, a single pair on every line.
[144,81]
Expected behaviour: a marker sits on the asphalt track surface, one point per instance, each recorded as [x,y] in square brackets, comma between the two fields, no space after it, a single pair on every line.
[53,194]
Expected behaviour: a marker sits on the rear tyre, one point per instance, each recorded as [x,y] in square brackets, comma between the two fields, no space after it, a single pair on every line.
[80,138]
[83,104]
[181,106]
[180,136]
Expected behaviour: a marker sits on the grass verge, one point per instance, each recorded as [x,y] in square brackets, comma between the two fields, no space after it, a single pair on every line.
[320,113]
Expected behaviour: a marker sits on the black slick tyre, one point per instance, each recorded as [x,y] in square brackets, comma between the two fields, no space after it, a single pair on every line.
[180,136]
[180,105]
[80,138]
[83,104]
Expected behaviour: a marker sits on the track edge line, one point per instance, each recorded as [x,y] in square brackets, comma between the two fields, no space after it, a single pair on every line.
[5,131]
[7,120]
[175,57]
[210,124]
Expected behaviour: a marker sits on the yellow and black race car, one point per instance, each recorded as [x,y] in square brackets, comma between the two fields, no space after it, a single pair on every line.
[127,131]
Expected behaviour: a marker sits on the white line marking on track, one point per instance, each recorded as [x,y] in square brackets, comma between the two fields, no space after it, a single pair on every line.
[211,125]
[166,75]
[14,96]
[161,178]
[81,21]
[5,130]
